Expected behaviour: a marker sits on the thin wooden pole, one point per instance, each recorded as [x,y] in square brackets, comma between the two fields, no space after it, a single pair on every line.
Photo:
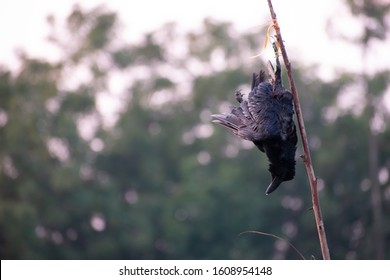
[307,158]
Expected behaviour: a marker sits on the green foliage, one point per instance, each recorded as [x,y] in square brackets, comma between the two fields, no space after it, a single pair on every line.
[163,182]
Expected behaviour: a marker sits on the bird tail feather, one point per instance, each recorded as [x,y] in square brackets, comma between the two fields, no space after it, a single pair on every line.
[230,121]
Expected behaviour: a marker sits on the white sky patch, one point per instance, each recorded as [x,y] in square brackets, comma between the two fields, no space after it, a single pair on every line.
[218,60]
[378,123]
[9,167]
[383,175]
[118,81]
[57,237]
[188,137]
[197,68]
[247,145]
[58,148]
[131,196]
[53,105]
[40,231]
[204,158]
[201,131]
[205,116]
[224,107]
[204,130]
[291,202]
[97,145]
[108,105]
[305,33]
[3,117]
[320,184]
[86,172]
[290,229]
[330,114]
[73,77]
[98,222]
[386,99]
[352,98]
[160,97]
[87,125]
[231,150]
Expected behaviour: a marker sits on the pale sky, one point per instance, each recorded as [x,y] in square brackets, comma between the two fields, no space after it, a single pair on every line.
[303,24]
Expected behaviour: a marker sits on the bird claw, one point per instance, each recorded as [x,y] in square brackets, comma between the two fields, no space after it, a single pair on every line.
[271,72]
[239,96]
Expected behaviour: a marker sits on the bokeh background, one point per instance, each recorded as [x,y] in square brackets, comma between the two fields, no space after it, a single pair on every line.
[106,145]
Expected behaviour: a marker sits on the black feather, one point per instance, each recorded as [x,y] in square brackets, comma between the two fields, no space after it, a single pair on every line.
[266,119]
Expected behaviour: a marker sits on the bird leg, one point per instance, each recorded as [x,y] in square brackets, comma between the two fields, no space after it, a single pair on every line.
[239,96]
[278,71]
[271,72]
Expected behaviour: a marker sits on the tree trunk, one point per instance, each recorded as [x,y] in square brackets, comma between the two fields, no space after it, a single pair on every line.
[376,199]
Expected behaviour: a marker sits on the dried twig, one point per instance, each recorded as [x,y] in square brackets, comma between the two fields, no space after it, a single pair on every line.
[307,158]
[276,237]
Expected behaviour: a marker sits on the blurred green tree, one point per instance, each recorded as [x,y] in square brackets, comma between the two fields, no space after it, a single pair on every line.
[372,16]
[159,181]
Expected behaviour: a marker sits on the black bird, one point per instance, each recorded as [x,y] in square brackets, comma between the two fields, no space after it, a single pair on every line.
[266,119]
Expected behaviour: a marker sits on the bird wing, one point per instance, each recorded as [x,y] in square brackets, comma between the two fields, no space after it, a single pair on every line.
[237,121]
[263,107]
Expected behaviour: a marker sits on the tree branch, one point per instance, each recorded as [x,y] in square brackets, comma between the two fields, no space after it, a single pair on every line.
[307,157]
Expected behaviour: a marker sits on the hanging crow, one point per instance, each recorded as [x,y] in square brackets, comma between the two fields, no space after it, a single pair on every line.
[266,119]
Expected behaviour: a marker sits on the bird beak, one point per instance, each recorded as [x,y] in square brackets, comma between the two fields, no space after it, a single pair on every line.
[274,185]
